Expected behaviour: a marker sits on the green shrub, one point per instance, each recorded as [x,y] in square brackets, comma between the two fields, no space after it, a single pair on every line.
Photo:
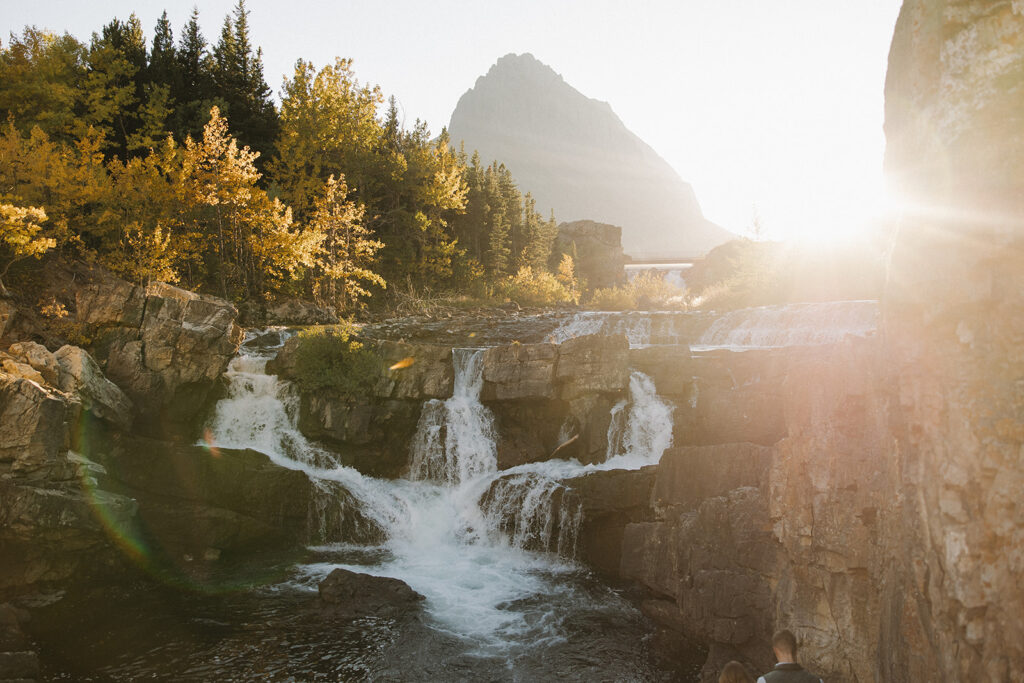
[612,299]
[646,290]
[328,358]
[531,287]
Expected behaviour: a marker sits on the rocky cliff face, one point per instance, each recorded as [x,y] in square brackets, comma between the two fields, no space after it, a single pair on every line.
[955,131]
[576,157]
[164,346]
[880,516]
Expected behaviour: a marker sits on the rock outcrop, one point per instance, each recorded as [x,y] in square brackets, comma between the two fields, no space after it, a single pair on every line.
[165,347]
[576,157]
[955,142]
[372,432]
[596,249]
[542,395]
[547,396]
[81,376]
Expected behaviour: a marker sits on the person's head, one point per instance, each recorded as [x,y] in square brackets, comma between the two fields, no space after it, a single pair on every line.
[784,645]
[734,672]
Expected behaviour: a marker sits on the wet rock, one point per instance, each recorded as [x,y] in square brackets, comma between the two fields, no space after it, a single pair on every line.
[52,533]
[82,377]
[592,364]
[420,371]
[193,500]
[519,371]
[358,595]
[264,340]
[610,501]
[671,367]
[370,434]
[597,248]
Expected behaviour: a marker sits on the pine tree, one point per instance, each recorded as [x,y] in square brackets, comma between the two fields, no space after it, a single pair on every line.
[238,74]
[193,90]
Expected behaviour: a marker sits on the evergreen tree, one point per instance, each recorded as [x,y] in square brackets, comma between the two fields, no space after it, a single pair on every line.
[238,74]
[193,89]
[163,66]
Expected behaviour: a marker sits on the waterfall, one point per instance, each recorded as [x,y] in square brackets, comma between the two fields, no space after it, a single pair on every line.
[475,541]
[791,324]
[635,326]
[640,430]
[455,439]
[260,413]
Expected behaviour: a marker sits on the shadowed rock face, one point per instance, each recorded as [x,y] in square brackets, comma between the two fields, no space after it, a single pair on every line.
[576,157]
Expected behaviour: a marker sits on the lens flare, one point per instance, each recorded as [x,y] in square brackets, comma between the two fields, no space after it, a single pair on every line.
[404,363]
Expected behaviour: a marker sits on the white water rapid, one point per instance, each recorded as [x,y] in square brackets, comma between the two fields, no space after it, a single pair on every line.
[490,550]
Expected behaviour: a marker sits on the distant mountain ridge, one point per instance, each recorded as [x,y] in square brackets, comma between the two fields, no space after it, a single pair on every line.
[578,158]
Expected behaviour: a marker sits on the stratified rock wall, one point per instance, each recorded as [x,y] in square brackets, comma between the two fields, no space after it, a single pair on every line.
[954,322]
[884,525]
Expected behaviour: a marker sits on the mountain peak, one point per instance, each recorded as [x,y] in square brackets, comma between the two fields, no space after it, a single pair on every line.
[578,158]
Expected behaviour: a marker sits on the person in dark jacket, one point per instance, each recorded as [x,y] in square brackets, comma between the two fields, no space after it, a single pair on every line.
[787,670]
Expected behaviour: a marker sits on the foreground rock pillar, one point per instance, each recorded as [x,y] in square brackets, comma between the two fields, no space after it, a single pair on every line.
[954,335]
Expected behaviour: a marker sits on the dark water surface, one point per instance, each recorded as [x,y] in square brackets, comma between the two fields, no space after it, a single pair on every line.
[281,632]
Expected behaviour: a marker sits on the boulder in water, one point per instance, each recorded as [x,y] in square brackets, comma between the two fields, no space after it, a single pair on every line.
[348,593]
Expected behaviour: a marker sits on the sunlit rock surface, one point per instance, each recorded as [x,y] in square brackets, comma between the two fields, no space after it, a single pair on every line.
[884,524]
[953,317]
[164,346]
[576,157]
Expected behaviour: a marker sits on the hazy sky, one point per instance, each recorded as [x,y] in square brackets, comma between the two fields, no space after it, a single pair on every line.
[777,104]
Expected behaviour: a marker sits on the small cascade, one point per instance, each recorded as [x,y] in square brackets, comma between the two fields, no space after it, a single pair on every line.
[535,512]
[260,413]
[635,326]
[791,325]
[640,430]
[455,439]
[532,506]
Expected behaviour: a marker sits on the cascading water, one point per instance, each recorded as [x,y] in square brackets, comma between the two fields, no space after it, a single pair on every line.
[488,549]
[791,325]
[635,326]
[455,440]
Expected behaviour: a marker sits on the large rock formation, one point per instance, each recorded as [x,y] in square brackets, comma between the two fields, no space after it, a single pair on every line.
[164,346]
[576,157]
[596,249]
[885,525]
[955,132]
